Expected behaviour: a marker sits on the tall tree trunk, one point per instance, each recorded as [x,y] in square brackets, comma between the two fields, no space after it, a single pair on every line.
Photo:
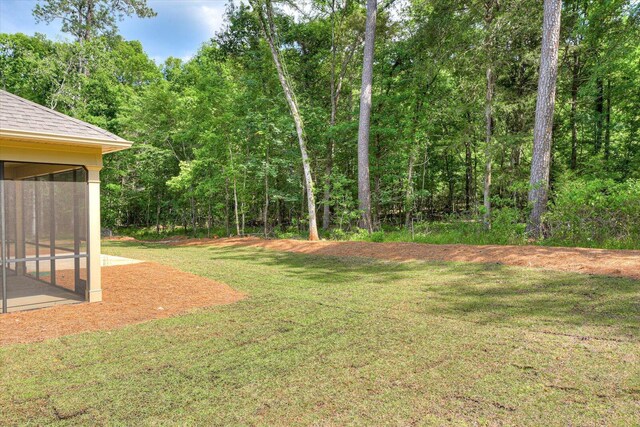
[209,219]
[607,123]
[194,214]
[377,188]
[268,28]
[425,165]
[226,204]
[326,209]
[336,90]
[266,196]
[326,197]
[545,104]
[488,116]
[468,187]
[235,193]
[235,206]
[488,112]
[158,208]
[408,203]
[364,187]
[413,153]
[574,107]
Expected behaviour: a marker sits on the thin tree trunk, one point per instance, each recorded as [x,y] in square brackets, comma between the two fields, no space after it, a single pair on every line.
[326,197]
[468,174]
[425,165]
[148,211]
[194,214]
[545,104]
[408,204]
[488,154]
[599,115]
[226,205]
[266,196]
[574,107]
[243,216]
[376,183]
[607,123]
[243,209]
[158,207]
[235,193]
[209,219]
[235,206]
[488,114]
[269,31]
[326,214]
[336,89]
[364,186]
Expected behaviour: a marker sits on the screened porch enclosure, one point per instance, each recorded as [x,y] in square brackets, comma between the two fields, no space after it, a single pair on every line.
[44,229]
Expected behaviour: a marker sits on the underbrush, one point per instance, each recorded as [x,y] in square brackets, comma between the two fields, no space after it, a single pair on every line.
[441,233]
[470,232]
[150,233]
[583,213]
[596,213]
[454,231]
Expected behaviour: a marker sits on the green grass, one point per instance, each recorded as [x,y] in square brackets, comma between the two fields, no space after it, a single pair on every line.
[351,341]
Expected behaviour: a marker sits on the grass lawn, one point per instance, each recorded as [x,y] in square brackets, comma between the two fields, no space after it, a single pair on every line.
[347,341]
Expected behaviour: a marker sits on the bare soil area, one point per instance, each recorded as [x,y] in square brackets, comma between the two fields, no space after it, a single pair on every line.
[131,294]
[620,263]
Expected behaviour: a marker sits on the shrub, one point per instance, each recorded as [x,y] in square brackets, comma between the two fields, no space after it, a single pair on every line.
[596,212]
[377,236]
[508,224]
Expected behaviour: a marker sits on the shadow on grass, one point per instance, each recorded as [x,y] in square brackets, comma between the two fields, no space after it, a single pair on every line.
[479,293]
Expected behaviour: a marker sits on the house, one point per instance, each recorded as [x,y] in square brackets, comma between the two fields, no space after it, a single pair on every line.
[49,205]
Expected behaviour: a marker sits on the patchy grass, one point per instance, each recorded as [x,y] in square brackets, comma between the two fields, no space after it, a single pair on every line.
[332,341]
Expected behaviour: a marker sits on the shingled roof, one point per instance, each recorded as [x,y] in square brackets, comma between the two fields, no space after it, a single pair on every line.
[24,119]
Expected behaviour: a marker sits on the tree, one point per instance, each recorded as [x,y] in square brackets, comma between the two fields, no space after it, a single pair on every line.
[490,8]
[85,19]
[337,77]
[543,128]
[216,144]
[364,186]
[265,15]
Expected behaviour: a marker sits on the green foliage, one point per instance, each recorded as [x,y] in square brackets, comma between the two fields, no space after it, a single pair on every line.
[85,19]
[509,231]
[215,148]
[599,212]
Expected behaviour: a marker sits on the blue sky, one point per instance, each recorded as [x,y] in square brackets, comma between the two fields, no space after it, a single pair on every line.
[179,29]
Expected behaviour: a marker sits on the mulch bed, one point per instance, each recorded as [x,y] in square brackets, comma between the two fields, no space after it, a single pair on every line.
[620,263]
[131,294]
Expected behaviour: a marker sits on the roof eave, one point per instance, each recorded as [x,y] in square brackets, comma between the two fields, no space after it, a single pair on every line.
[107,145]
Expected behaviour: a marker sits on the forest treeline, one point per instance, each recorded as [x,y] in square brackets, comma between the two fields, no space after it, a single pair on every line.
[267,122]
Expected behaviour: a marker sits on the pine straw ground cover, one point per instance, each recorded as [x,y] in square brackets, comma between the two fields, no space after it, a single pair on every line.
[334,341]
[132,293]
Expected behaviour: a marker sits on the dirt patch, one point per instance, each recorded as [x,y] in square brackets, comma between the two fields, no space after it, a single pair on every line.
[131,294]
[621,263]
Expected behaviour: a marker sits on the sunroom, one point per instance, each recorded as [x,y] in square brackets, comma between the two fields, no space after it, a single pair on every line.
[49,205]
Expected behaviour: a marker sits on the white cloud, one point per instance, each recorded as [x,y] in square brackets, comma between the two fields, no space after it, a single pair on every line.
[187,57]
[210,18]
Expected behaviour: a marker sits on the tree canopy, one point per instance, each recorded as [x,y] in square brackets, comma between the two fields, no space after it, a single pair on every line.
[216,148]
[85,19]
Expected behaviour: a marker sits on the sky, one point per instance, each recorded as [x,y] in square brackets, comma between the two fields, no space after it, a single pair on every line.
[179,29]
